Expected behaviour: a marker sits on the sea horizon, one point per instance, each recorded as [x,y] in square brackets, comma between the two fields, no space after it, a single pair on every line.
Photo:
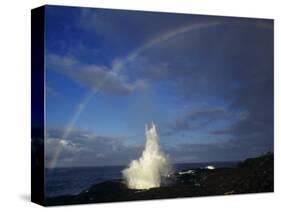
[205,162]
[73,180]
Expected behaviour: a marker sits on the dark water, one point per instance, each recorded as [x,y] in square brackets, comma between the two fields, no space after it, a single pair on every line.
[62,181]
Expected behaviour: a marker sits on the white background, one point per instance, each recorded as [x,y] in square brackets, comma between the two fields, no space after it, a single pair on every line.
[15,104]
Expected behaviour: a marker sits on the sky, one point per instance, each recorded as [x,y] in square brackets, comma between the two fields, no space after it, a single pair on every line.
[205,81]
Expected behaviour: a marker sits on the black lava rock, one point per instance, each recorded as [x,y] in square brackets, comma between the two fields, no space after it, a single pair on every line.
[251,176]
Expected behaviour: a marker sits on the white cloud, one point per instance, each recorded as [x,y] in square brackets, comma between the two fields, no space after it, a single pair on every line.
[83,148]
[96,77]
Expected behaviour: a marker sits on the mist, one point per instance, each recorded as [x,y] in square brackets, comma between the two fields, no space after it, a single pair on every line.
[147,171]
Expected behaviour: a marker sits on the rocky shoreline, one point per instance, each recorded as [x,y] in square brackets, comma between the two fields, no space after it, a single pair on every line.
[253,175]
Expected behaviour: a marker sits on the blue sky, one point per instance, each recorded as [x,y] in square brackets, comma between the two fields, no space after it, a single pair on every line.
[206,81]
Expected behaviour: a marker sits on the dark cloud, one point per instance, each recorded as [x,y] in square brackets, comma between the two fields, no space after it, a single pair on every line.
[134,28]
[231,66]
[235,149]
[210,62]
[196,119]
[209,113]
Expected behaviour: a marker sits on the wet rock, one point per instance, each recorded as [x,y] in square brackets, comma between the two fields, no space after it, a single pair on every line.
[251,176]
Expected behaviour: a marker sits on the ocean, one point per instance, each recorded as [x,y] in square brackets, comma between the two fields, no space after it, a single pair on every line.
[73,180]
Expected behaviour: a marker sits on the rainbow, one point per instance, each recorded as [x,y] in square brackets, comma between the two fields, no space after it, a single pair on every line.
[117,67]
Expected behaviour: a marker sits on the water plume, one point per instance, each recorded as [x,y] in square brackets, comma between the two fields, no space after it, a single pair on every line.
[147,171]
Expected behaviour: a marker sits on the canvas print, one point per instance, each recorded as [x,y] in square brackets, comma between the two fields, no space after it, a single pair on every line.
[135,105]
